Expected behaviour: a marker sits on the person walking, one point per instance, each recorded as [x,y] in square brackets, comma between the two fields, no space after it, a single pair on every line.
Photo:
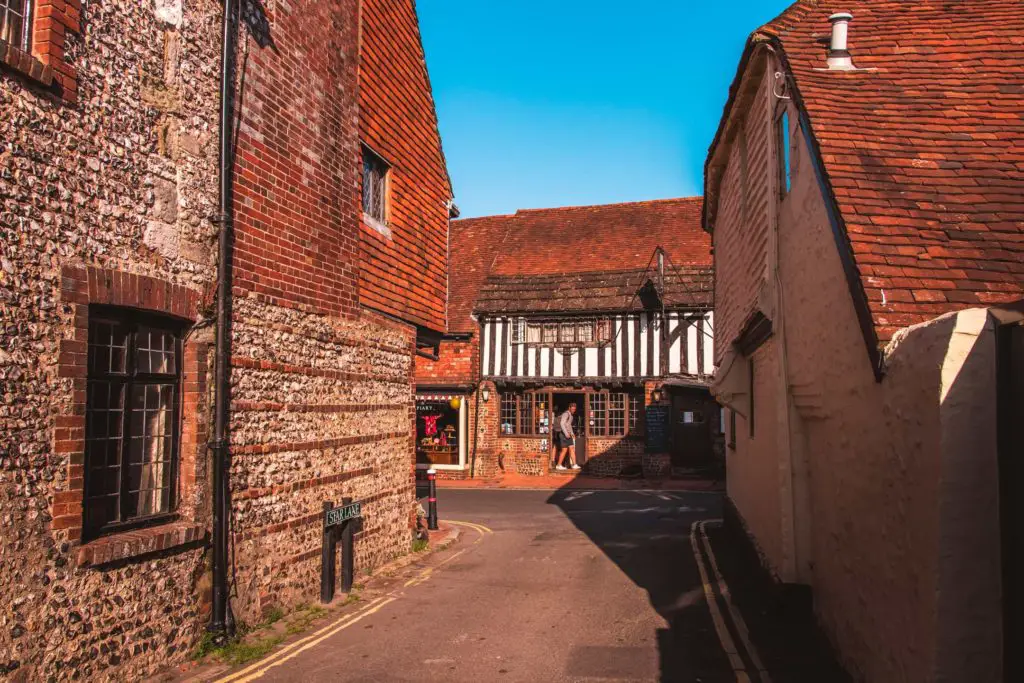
[566,440]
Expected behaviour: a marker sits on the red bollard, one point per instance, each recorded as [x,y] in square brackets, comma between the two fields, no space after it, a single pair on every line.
[432,500]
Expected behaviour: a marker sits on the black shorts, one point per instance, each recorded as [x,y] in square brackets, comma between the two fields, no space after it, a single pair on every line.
[564,441]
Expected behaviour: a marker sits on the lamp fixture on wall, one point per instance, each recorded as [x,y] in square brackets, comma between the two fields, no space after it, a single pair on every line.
[486,393]
[656,395]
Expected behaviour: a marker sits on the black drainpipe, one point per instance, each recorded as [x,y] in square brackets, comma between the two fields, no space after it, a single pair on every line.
[221,622]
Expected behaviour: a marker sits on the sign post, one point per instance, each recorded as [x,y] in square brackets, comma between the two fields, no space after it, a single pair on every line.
[432,500]
[342,518]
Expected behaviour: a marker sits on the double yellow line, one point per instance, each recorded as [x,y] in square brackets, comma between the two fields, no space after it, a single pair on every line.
[479,528]
[699,541]
[254,671]
[275,659]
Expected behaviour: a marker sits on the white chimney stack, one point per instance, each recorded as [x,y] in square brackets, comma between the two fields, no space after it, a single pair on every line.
[838,55]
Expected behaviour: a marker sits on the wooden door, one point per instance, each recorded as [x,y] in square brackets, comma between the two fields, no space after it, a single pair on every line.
[691,430]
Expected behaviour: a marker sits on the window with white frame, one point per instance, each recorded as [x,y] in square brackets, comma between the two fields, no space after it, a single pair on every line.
[586,332]
[16,23]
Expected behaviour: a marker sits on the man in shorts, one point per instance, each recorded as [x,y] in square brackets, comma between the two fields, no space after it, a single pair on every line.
[565,439]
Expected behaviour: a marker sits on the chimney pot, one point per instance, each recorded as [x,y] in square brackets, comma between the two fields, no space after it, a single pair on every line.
[839,58]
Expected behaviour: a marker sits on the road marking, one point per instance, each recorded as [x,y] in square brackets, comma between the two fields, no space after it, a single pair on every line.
[278,661]
[724,636]
[344,619]
[576,495]
[480,528]
[258,669]
[426,573]
[716,616]
[737,617]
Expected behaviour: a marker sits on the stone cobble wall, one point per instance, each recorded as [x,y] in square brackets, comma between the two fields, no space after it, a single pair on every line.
[116,175]
[106,194]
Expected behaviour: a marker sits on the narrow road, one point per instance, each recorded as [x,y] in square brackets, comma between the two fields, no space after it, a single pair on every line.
[553,586]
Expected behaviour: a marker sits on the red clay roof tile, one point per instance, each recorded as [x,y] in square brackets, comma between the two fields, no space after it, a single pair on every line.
[924,148]
[539,243]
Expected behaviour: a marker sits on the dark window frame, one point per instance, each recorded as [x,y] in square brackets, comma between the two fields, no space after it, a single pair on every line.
[379,201]
[25,12]
[132,320]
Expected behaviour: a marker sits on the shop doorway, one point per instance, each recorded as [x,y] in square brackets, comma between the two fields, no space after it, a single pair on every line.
[560,403]
[693,416]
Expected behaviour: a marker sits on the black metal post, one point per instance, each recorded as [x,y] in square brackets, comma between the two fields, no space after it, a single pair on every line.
[432,500]
[220,617]
[348,533]
[327,560]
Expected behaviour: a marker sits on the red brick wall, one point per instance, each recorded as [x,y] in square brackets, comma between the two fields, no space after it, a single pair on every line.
[458,363]
[296,172]
[404,274]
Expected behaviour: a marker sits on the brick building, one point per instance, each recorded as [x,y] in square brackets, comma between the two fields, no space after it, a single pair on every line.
[554,306]
[108,274]
[865,194]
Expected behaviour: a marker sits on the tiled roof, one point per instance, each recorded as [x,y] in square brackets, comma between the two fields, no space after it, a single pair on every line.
[689,287]
[576,258]
[474,243]
[924,152]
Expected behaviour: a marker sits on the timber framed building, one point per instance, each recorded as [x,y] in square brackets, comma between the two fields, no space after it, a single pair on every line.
[608,307]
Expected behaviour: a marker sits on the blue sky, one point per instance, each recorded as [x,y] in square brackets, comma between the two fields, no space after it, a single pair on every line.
[565,102]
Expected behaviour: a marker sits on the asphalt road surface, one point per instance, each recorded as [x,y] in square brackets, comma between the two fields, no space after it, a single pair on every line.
[554,586]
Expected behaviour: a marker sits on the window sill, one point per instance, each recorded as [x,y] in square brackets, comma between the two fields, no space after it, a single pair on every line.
[375,224]
[25,64]
[130,544]
[422,466]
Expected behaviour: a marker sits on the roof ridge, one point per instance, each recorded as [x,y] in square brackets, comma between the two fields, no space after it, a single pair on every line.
[642,202]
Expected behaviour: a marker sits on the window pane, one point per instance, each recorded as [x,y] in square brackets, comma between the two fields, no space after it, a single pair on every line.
[550,333]
[634,412]
[526,414]
[533,333]
[375,172]
[616,414]
[585,332]
[508,413]
[149,450]
[597,414]
[108,347]
[13,14]
[155,352]
[104,412]
[784,153]
[567,333]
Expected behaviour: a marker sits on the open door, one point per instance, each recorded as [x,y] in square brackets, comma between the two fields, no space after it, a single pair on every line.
[560,403]
[1011,482]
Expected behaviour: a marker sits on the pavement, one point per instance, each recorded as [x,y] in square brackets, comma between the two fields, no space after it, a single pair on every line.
[563,585]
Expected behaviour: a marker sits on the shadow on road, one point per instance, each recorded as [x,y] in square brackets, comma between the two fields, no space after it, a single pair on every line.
[646,533]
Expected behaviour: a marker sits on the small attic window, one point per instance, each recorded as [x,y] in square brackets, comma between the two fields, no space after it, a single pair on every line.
[784,155]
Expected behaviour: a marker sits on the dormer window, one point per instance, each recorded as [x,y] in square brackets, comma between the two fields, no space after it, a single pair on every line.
[16,23]
[376,174]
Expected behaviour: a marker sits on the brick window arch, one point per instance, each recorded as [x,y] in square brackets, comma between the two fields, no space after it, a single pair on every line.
[33,37]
